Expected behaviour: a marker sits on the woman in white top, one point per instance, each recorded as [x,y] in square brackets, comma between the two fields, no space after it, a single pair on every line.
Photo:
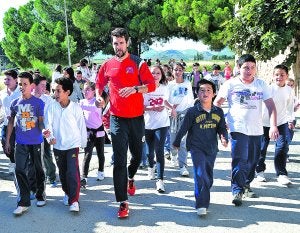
[156,124]
[181,98]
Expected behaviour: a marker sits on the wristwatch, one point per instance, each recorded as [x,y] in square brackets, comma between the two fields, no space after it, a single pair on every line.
[136,89]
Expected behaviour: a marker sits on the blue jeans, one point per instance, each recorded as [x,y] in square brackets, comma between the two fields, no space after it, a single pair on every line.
[245,151]
[281,149]
[168,142]
[155,140]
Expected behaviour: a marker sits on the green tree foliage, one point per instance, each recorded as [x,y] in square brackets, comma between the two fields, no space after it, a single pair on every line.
[199,20]
[141,17]
[265,28]
[37,30]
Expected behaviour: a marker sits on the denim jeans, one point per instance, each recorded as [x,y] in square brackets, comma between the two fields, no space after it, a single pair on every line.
[155,139]
[281,149]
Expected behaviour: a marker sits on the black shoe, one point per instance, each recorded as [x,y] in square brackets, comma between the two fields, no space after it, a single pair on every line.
[237,199]
[248,192]
[83,183]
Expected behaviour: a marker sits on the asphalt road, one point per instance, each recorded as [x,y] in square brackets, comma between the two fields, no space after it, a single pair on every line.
[276,210]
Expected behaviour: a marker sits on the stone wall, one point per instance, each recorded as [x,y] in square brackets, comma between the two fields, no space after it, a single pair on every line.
[265,70]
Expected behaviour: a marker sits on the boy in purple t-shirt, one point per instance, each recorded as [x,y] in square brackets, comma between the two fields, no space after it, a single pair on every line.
[28,111]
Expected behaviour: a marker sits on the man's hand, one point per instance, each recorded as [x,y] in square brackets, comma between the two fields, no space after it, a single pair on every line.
[127,91]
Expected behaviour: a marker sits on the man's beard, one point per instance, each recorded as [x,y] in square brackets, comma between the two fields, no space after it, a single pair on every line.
[120,55]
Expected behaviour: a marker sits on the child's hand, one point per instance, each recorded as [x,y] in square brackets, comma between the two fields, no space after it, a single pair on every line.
[223,141]
[52,141]
[7,148]
[100,102]
[46,133]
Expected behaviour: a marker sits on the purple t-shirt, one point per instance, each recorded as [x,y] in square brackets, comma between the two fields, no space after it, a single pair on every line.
[27,112]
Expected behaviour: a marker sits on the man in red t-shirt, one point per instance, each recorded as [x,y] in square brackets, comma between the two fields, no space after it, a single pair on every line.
[128,77]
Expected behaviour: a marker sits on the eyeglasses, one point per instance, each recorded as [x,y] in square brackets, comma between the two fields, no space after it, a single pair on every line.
[179,70]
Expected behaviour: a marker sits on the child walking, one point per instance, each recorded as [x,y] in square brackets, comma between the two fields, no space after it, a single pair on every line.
[95,132]
[283,97]
[202,123]
[66,131]
[28,112]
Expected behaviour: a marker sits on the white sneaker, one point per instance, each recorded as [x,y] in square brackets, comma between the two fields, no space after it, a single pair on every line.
[160,186]
[260,177]
[174,161]
[12,168]
[100,175]
[184,172]
[151,173]
[74,207]
[201,212]
[66,200]
[20,210]
[283,180]
[41,203]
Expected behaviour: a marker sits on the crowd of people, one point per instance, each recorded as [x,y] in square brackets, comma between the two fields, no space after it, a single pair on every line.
[155,111]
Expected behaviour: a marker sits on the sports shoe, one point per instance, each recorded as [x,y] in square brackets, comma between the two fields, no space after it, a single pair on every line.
[41,203]
[66,200]
[123,210]
[201,212]
[11,168]
[160,186]
[74,207]
[248,192]
[151,173]
[183,171]
[237,199]
[20,210]
[83,183]
[167,155]
[53,184]
[131,187]
[283,180]
[260,177]
[100,176]
[174,161]
[32,195]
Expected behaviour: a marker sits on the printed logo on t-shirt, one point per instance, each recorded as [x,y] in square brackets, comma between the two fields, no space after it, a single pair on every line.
[156,101]
[245,97]
[27,118]
[129,70]
[181,91]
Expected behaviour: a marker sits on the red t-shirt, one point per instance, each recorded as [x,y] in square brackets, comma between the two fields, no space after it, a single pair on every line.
[120,74]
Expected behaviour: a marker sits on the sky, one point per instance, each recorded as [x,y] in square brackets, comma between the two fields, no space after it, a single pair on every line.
[174,43]
[5,5]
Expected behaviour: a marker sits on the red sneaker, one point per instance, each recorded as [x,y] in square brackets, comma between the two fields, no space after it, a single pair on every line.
[131,187]
[123,210]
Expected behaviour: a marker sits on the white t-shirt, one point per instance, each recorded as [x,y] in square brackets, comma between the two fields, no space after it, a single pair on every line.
[181,94]
[6,100]
[154,119]
[283,99]
[245,105]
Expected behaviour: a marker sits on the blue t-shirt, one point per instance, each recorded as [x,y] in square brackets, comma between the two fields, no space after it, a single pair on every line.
[27,112]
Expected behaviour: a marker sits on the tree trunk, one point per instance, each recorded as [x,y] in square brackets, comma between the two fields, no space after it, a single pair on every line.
[296,71]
